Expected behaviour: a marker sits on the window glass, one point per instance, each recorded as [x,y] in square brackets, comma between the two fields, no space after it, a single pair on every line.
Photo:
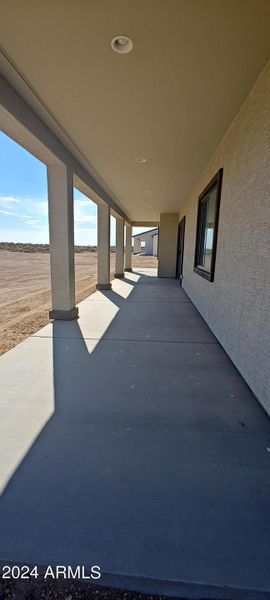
[208,221]
[206,239]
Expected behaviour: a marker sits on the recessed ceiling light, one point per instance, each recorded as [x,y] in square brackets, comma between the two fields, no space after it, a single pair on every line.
[141,159]
[122,44]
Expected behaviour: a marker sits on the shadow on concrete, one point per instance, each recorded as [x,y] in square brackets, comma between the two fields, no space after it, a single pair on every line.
[154,464]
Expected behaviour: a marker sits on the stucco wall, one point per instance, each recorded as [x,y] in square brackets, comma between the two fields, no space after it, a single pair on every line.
[147,237]
[168,230]
[237,304]
[136,246]
[155,244]
[148,243]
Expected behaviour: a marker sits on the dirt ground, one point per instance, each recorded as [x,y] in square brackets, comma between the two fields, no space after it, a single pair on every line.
[66,590]
[25,295]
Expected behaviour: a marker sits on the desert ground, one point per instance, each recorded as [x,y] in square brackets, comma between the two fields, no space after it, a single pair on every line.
[25,294]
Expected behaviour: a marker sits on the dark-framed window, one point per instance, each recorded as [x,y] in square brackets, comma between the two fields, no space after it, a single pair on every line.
[207,228]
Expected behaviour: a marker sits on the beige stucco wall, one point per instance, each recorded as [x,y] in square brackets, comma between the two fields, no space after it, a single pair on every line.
[237,304]
[168,230]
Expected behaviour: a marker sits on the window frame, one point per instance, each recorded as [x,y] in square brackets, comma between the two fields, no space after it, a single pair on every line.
[215,181]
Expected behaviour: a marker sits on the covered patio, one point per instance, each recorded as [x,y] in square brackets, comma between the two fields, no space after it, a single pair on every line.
[131,442]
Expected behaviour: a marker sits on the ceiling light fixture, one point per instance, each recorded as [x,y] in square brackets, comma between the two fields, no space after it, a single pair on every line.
[122,44]
[147,192]
[141,160]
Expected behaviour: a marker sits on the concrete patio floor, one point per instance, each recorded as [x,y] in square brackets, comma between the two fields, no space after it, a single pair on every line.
[130,441]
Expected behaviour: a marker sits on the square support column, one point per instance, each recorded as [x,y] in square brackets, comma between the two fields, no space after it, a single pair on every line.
[128,253]
[168,231]
[61,228]
[103,282]
[119,257]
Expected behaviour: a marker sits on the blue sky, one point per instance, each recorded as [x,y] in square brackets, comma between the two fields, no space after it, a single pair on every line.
[24,205]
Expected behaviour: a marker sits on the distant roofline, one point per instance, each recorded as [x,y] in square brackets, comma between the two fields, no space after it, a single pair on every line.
[144,232]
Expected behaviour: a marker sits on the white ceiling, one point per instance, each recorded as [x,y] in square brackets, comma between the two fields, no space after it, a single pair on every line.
[170,100]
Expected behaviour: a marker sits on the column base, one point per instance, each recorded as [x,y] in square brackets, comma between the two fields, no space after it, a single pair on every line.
[119,275]
[104,286]
[129,269]
[64,315]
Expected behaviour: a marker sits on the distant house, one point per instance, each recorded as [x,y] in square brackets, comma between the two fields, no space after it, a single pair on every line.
[148,240]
